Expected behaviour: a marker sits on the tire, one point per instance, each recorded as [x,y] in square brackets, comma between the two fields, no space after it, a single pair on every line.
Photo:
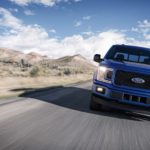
[94,105]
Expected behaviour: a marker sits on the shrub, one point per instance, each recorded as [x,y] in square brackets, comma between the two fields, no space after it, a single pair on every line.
[67,71]
[60,74]
[34,72]
[54,67]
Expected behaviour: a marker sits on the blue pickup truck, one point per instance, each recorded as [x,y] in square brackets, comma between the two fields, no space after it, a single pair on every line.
[122,79]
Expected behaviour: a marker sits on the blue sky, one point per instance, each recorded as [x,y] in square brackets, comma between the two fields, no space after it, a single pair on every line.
[73,25]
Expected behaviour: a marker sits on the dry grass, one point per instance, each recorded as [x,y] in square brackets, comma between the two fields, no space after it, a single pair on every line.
[17,76]
[8,85]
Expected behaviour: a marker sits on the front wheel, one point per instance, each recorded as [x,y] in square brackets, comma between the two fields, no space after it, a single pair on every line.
[94,105]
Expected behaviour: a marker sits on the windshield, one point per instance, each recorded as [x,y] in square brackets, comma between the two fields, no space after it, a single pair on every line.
[129,54]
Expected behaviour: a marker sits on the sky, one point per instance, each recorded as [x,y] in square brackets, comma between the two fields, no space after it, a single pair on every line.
[67,27]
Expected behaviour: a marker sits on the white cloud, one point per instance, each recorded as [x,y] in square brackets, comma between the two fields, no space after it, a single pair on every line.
[77,0]
[86,18]
[78,23]
[13,9]
[147,36]
[144,24]
[134,29]
[29,38]
[8,20]
[88,33]
[81,21]
[143,28]
[52,31]
[43,2]
[28,12]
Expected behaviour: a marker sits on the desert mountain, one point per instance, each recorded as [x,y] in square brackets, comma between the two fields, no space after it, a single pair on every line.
[74,61]
[13,56]
[15,63]
[35,57]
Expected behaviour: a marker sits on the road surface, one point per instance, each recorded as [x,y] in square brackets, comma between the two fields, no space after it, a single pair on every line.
[60,119]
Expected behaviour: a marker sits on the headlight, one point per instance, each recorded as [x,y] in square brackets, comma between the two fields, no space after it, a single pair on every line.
[105,74]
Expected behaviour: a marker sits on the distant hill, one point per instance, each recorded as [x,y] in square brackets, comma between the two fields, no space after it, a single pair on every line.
[8,55]
[74,61]
[15,63]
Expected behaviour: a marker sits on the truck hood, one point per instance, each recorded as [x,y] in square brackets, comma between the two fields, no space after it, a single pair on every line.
[128,66]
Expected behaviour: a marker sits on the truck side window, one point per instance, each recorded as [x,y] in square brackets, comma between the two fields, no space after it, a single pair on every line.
[143,59]
[133,58]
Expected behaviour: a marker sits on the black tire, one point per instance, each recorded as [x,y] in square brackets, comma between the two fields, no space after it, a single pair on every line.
[94,105]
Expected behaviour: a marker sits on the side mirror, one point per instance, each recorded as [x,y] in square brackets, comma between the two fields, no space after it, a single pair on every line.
[97,58]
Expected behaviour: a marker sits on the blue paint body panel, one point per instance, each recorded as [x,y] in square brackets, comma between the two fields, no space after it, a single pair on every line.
[122,90]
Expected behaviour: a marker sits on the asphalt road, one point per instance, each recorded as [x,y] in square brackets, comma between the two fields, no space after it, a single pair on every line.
[60,119]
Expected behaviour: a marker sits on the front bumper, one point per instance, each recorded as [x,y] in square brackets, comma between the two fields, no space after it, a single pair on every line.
[114,96]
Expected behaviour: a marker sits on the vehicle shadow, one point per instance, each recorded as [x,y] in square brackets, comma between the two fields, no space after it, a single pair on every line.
[31,90]
[77,99]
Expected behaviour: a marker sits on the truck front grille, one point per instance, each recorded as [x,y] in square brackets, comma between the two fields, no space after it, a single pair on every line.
[124,78]
[129,97]
[133,98]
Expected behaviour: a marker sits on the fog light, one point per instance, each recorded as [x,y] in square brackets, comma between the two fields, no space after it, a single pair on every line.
[100,90]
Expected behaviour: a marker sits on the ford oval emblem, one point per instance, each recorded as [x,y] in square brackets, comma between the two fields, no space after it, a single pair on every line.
[138,80]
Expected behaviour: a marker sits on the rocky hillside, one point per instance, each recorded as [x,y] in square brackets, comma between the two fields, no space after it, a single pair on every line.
[13,56]
[15,63]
